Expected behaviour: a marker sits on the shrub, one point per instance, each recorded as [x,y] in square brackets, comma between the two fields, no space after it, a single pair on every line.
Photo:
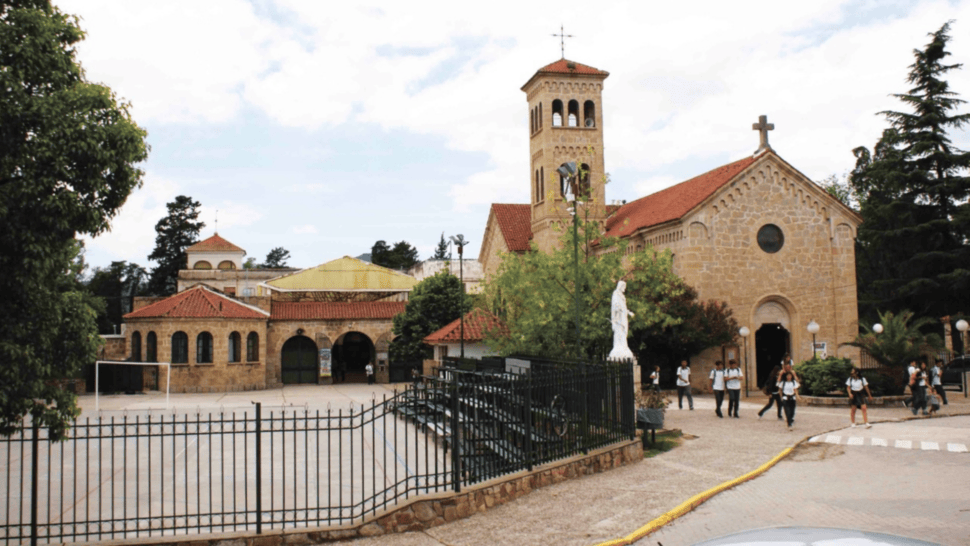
[885,381]
[820,377]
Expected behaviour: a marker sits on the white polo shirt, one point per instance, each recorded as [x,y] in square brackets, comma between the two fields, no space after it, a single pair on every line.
[683,377]
[734,376]
[718,377]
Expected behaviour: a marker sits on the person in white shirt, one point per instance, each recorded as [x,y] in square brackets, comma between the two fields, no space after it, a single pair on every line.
[910,370]
[369,370]
[937,374]
[655,379]
[733,375]
[788,387]
[858,389]
[918,383]
[717,386]
[683,385]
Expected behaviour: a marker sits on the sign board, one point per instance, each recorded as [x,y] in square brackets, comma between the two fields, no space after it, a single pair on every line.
[325,369]
[514,365]
[821,348]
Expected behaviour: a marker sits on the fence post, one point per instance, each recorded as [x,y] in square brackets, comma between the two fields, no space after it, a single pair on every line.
[629,400]
[259,470]
[455,433]
[585,409]
[35,447]
[528,418]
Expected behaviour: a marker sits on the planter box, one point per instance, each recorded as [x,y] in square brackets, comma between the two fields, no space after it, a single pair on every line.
[650,417]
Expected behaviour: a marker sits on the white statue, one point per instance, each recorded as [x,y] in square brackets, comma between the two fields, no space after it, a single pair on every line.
[620,317]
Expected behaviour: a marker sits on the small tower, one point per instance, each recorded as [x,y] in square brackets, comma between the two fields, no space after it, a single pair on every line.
[566,124]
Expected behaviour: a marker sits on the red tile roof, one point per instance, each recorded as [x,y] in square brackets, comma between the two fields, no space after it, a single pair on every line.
[198,302]
[565,66]
[515,223]
[478,322]
[673,202]
[313,310]
[214,244]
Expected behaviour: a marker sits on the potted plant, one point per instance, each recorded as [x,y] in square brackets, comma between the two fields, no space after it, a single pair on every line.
[651,405]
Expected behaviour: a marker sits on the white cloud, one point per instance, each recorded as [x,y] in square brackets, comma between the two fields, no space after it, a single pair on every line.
[306,229]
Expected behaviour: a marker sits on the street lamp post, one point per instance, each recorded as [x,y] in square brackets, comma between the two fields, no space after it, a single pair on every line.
[460,242]
[813,329]
[568,172]
[744,336]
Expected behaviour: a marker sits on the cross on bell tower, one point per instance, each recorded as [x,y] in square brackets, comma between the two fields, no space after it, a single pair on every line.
[763,126]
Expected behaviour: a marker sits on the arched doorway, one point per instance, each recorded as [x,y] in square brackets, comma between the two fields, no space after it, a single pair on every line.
[351,353]
[299,361]
[772,339]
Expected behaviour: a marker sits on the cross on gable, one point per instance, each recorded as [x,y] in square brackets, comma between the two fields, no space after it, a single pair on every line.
[763,126]
[562,40]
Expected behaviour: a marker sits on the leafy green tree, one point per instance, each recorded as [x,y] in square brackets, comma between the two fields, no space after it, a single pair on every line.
[68,156]
[533,293]
[702,325]
[433,303]
[441,251]
[913,246]
[379,253]
[402,256]
[276,258]
[117,285]
[250,263]
[175,232]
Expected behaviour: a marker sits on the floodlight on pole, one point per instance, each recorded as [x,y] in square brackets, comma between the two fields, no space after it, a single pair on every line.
[460,242]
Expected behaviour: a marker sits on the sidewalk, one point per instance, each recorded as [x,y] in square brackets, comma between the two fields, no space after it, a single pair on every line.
[611,505]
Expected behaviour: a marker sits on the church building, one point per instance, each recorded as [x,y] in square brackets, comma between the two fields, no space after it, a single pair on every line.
[755,233]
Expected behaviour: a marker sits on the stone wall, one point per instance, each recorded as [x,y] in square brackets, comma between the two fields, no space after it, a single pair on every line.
[218,376]
[431,510]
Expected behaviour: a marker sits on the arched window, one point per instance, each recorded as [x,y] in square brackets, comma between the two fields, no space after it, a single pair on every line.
[532,121]
[235,346]
[202,264]
[151,347]
[227,264]
[252,347]
[542,183]
[203,348]
[538,195]
[574,113]
[540,115]
[562,183]
[583,182]
[557,113]
[180,348]
[589,114]
[136,346]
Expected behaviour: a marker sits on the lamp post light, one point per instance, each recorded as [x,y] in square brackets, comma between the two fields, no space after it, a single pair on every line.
[744,336]
[460,242]
[877,328]
[568,172]
[813,329]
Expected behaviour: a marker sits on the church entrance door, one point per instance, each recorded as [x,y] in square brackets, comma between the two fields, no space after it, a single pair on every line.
[772,342]
[352,352]
[300,361]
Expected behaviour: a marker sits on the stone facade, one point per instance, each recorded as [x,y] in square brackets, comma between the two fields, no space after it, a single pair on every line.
[235,282]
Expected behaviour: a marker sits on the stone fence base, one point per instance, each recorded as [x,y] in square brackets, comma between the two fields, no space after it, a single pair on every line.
[877,401]
[428,510]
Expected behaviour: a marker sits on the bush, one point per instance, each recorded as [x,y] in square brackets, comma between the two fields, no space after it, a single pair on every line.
[886,381]
[821,377]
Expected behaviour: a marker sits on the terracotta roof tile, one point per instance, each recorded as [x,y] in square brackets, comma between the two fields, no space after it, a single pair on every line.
[198,302]
[214,244]
[515,222]
[478,322]
[336,310]
[565,66]
[673,202]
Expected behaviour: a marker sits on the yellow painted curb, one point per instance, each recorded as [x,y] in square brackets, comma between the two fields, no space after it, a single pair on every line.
[694,502]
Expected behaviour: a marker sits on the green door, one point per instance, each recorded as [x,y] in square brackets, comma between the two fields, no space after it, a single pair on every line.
[300,361]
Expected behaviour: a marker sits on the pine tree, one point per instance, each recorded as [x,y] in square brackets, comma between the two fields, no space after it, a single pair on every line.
[276,258]
[913,188]
[176,232]
[441,251]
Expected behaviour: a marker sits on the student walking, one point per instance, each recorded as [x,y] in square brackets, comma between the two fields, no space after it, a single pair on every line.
[789,395]
[369,370]
[918,383]
[937,380]
[717,386]
[858,389]
[733,376]
[771,389]
[910,370]
[683,385]
[655,379]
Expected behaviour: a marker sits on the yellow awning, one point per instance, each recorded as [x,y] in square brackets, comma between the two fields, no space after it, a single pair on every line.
[345,274]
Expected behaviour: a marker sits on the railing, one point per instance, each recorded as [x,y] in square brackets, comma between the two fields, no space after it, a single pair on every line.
[142,475]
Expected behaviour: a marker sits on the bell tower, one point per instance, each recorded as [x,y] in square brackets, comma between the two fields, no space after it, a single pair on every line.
[565,125]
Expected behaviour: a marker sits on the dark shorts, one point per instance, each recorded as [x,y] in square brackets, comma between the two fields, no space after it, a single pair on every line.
[858,399]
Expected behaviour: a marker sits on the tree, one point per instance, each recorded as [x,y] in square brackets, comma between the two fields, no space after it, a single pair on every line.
[68,156]
[402,256]
[379,253]
[913,247]
[533,293]
[433,303]
[702,325]
[441,251]
[117,285]
[276,258]
[175,232]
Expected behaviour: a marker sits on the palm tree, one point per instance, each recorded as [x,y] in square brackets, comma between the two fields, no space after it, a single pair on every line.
[901,340]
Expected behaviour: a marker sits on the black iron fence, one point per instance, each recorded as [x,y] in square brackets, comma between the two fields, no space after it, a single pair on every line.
[148,476]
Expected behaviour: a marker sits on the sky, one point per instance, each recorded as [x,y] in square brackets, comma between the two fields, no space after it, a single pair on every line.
[323,126]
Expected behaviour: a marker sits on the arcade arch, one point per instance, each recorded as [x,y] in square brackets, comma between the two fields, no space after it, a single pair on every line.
[352,352]
[299,361]
[772,335]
